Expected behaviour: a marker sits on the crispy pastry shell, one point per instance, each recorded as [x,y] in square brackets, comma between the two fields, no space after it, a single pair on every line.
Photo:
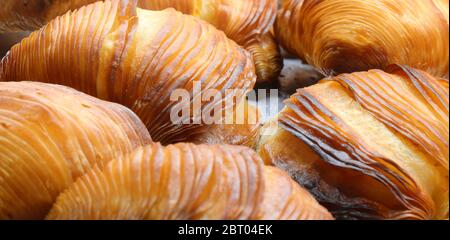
[248,22]
[49,136]
[187,181]
[369,144]
[344,36]
[120,53]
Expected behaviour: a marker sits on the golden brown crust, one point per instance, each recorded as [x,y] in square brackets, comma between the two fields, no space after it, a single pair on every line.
[246,22]
[134,57]
[51,135]
[186,181]
[344,36]
[267,57]
[180,181]
[284,199]
[420,112]
[242,21]
[249,23]
[364,147]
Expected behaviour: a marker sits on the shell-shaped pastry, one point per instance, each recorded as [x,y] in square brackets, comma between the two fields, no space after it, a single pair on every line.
[49,136]
[186,181]
[344,36]
[248,22]
[138,58]
[369,144]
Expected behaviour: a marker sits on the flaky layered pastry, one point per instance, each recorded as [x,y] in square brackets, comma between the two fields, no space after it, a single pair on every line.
[248,22]
[284,199]
[369,144]
[344,36]
[49,136]
[187,181]
[138,58]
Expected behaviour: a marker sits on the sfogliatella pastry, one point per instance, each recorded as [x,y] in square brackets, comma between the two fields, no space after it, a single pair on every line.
[249,22]
[49,136]
[344,36]
[186,181]
[138,58]
[368,145]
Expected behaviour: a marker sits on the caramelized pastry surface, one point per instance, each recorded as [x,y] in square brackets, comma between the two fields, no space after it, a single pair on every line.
[49,136]
[248,22]
[186,181]
[137,58]
[368,145]
[345,36]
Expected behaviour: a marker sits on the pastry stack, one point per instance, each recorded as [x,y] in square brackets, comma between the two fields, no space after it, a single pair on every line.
[87,103]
